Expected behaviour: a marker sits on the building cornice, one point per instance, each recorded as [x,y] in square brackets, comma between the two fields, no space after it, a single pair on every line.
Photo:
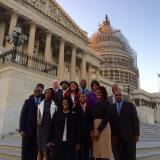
[52,10]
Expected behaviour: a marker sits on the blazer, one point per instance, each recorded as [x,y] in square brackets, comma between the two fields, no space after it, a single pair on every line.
[125,125]
[84,120]
[41,109]
[57,128]
[58,97]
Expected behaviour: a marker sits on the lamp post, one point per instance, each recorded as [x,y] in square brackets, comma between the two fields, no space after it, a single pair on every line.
[17,39]
[128,89]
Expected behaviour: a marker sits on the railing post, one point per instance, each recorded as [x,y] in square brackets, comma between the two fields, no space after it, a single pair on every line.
[45,70]
[27,61]
[3,59]
[14,54]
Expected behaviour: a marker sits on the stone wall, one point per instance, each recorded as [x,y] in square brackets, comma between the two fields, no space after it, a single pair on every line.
[146,114]
[16,84]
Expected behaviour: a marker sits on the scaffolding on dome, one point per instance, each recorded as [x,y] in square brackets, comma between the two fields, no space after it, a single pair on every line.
[112,36]
[128,48]
[120,59]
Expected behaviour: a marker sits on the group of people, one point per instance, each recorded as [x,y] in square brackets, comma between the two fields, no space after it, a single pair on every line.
[71,122]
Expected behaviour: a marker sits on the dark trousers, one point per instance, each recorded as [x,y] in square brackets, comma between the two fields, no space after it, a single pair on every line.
[29,148]
[83,153]
[99,159]
[115,150]
[127,150]
[64,151]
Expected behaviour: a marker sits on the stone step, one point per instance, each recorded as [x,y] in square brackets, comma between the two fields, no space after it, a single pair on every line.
[150,131]
[146,152]
[155,157]
[150,135]
[9,156]
[148,148]
[148,139]
[10,143]
[10,150]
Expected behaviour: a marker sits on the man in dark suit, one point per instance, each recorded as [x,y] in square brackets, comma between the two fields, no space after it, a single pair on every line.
[124,127]
[112,99]
[27,126]
[59,93]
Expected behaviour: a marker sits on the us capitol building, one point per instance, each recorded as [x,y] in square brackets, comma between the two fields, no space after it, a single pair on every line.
[57,48]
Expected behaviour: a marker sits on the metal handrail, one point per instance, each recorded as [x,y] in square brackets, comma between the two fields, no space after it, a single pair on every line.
[29,61]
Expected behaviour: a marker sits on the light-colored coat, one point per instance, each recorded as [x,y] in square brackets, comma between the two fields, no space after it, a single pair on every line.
[102,147]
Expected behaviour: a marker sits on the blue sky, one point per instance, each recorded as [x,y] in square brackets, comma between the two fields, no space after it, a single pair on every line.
[139,21]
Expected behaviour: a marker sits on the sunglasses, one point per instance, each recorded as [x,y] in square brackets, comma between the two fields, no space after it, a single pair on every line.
[117,94]
[37,91]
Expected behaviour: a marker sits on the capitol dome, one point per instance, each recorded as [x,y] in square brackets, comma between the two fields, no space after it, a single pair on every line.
[120,60]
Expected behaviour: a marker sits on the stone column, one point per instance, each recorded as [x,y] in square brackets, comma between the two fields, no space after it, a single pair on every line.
[83,67]
[73,64]
[103,73]
[97,74]
[2,31]
[114,75]
[61,61]
[158,106]
[138,83]
[52,60]
[89,74]
[13,23]
[48,55]
[157,113]
[140,102]
[119,77]
[31,38]
[36,46]
[108,74]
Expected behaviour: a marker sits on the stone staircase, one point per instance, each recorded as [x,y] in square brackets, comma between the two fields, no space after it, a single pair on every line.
[10,147]
[148,148]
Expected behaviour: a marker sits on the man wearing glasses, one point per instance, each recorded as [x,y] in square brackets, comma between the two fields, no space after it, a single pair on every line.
[124,127]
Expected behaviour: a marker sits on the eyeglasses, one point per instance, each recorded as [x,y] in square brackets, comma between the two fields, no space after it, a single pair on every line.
[117,94]
[37,91]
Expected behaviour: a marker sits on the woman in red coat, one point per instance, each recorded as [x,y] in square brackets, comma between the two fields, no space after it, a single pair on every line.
[73,93]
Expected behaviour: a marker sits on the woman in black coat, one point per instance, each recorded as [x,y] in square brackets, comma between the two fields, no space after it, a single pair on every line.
[64,132]
[82,110]
[100,127]
[46,110]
